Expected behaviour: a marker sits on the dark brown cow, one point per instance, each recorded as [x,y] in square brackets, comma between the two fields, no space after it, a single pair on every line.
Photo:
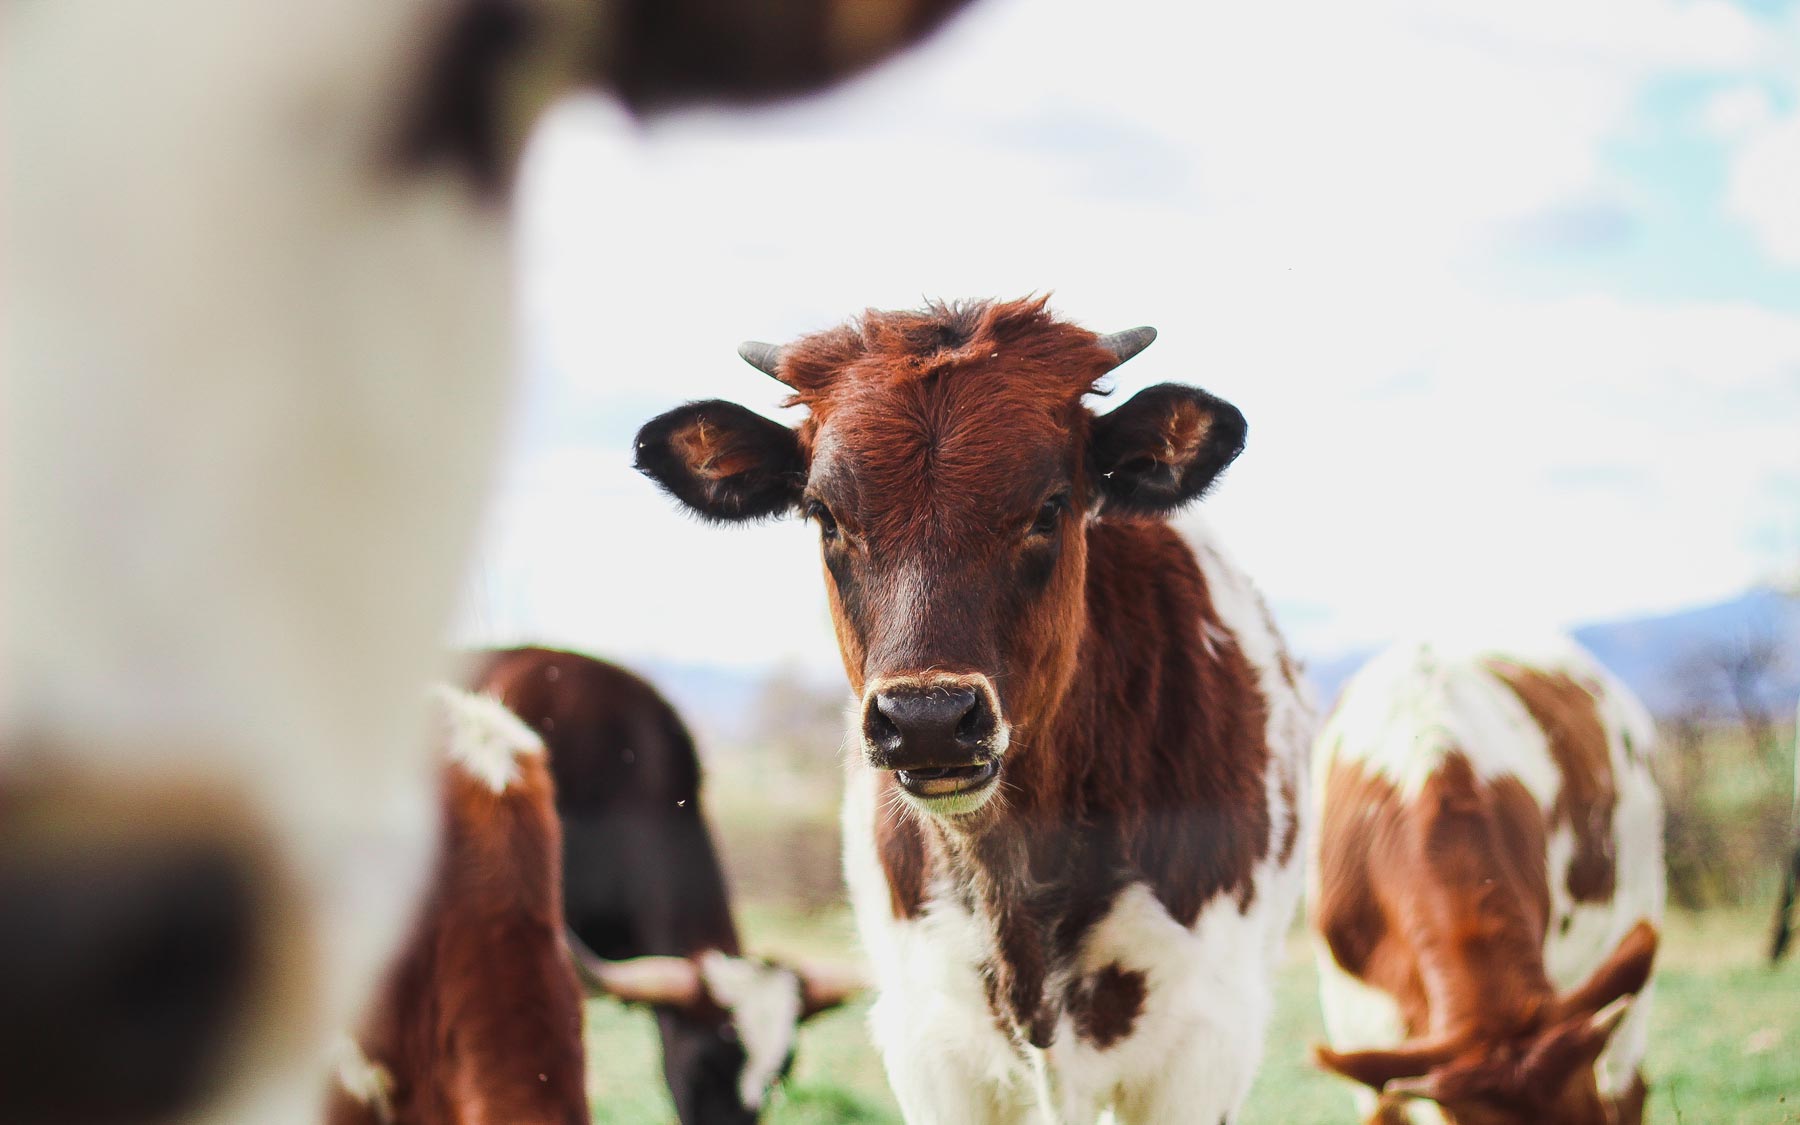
[641,879]
[1490,866]
[1071,828]
[478,1021]
[279,232]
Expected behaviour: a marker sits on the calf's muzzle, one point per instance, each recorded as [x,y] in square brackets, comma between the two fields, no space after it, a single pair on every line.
[930,725]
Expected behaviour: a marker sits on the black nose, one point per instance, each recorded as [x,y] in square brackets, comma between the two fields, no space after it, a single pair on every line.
[923,727]
[120,974]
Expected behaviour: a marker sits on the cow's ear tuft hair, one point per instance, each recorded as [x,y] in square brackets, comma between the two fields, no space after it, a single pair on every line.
[724,462]
[1163,448]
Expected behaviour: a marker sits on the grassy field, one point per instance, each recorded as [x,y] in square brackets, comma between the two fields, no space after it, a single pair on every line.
[1725,1047]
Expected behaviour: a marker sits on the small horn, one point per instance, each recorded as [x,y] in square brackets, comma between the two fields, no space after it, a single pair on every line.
[672,982]
[823,987]
[766,358]
[1607,1019]
[1380,1068]
[1123,345]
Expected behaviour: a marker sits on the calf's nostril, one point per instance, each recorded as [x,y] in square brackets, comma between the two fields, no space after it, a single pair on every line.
[976,725]
[123,975]
[880,730]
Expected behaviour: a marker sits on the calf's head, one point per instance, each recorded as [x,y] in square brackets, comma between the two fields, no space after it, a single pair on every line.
[951,467]
[729,1024]
[1543,1072]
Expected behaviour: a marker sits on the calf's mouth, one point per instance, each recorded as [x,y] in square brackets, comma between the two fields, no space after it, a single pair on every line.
[948,781]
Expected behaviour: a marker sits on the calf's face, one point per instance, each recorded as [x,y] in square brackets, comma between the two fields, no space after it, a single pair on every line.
[950,466]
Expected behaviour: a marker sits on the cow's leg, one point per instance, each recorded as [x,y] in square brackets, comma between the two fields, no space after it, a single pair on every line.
[1205,1081]
[934,1084]
[1075,1102]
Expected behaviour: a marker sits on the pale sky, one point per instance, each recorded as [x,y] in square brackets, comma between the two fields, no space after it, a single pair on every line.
[1509,293]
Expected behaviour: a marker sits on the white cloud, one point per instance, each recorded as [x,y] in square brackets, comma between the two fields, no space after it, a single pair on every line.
[1737,111]
[1765,185]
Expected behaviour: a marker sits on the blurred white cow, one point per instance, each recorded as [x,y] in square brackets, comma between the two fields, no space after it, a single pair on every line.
[255,364]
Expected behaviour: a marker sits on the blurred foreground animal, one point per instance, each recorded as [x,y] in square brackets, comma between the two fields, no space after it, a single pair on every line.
[255,368]
[479,1018]
[1490,872]
[1074,803]
[642,880]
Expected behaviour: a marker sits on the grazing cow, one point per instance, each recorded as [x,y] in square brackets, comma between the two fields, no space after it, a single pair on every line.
[1072,816]
[628,785]
[254,373]
[479,1018]
[1488,879]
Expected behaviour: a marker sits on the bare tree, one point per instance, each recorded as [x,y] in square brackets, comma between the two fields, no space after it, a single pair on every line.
[1746,666]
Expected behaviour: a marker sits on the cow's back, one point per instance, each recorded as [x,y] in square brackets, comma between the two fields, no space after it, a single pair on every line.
[641,875]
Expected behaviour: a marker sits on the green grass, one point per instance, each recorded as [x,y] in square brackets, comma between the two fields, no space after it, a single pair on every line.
[1725,1047]
[1725,1040]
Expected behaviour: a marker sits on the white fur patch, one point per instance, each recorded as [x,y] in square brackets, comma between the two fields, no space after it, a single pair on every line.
[484,737]
[764,1002]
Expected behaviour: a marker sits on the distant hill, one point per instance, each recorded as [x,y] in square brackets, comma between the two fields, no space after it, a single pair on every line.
[1673,661]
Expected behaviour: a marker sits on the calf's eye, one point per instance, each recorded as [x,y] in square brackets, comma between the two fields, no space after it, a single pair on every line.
[1049,517]
[828,528]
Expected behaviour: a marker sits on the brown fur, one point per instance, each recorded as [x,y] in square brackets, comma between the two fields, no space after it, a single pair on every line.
[1566,712]
[1106,1005]
[1442,902]
[1137,752]
[479,1020]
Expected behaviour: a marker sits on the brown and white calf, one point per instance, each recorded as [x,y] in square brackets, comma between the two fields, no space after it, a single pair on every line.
[478,1020]
[1074,800]
[1488,883]
[256,352]
[642,881]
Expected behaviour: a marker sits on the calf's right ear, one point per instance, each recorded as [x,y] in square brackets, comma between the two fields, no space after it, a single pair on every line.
[1164,448]
[722,461]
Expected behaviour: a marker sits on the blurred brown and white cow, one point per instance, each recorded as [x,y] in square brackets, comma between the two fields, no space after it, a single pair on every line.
[478,1020]
[1489,878]
[643,889]
[1073,812]
[255,368]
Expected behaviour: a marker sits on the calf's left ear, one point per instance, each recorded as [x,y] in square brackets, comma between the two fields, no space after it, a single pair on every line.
[1163,448]
[722,461]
